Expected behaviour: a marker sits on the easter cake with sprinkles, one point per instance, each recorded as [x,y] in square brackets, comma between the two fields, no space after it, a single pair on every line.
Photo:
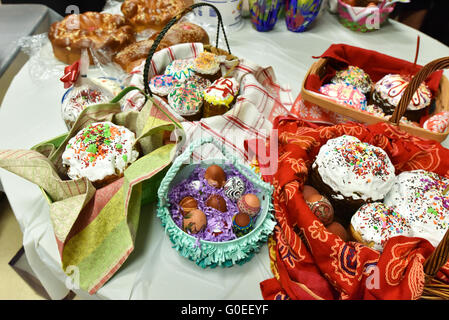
[422,198]
[350,173]
[100,152]
[375,223]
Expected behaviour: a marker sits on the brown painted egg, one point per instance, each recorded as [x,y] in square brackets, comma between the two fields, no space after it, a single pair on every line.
[309,191]
[194,221]
[215,176]
[249,204]
[217,202]
[337,229]
[187,204]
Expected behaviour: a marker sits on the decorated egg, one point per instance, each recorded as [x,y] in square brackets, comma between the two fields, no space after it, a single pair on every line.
[217,202]
[249,204]
[242,223]
[188,204]
[234,188]
[337,229]
[309,191]
[194,221]
[215,176]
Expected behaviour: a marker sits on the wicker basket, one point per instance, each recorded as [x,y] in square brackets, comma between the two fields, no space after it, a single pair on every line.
[441,99]
[233,60]
[208,253]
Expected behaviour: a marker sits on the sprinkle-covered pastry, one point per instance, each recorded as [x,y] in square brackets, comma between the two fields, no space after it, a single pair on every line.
[200,82]
[345,94]
[222,92]
[419,197]
[354,76]
[206,63]
[180,69]
[438,122]
[162,84]
[355,169]
[186,99]
[388,92]
[100,151]
[375,223]
[76,100]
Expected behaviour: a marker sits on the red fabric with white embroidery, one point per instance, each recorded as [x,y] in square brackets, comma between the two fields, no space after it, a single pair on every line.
[319,264]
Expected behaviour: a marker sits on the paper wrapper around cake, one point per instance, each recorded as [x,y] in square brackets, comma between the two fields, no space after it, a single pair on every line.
[357,237]
[95,229]
[345,207]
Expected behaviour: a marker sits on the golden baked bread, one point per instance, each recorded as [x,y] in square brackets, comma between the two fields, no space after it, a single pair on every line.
[150,14]
[98,31]
[182,32]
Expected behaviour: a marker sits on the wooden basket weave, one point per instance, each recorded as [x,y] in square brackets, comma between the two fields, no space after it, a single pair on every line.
[441,99]
[209,48]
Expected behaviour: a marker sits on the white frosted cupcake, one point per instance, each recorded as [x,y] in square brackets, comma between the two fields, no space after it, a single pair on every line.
[100,152]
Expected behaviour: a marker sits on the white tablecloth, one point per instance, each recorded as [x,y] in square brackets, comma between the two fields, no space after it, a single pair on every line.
[31,113]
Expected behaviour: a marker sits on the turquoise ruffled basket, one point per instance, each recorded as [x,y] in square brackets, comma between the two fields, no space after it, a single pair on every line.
[208,253]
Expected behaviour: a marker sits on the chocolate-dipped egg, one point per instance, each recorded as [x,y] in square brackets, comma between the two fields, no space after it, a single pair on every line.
[217,202]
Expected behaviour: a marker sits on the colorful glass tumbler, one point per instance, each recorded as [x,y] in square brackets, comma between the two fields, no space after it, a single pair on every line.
[299,14]
[264,13]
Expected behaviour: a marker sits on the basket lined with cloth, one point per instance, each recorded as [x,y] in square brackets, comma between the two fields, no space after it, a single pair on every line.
[311,262]
[313,105]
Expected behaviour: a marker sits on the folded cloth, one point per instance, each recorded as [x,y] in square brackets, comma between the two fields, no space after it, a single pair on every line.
[309,262]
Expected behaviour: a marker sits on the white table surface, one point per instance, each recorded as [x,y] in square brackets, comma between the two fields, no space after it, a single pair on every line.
[30,113]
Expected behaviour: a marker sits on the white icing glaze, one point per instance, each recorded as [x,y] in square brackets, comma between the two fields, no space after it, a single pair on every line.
[113,153]
[418,196]
[371,178]
[376,223]
[392,86]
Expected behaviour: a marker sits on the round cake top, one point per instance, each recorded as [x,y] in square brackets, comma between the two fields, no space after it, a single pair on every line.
[162,84]
[438,122]
[75,100]
[180,69]
[99,150]
[392,86]
[376,223]
[345,94]
[186,98]
[206,63]
[91,30]
[418,196]
[222,91]
[355,169]
[354,76]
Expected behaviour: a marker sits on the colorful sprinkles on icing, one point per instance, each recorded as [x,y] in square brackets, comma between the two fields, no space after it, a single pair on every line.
[206,63]
[186,98]
[354,76]
[419,196]
[99,150]
[162,84]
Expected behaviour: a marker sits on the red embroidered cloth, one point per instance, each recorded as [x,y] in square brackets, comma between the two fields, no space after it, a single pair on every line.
[307,261]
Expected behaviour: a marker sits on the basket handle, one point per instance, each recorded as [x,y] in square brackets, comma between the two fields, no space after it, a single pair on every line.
[438,258]
[185,156]
[168,26]
[414,84]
